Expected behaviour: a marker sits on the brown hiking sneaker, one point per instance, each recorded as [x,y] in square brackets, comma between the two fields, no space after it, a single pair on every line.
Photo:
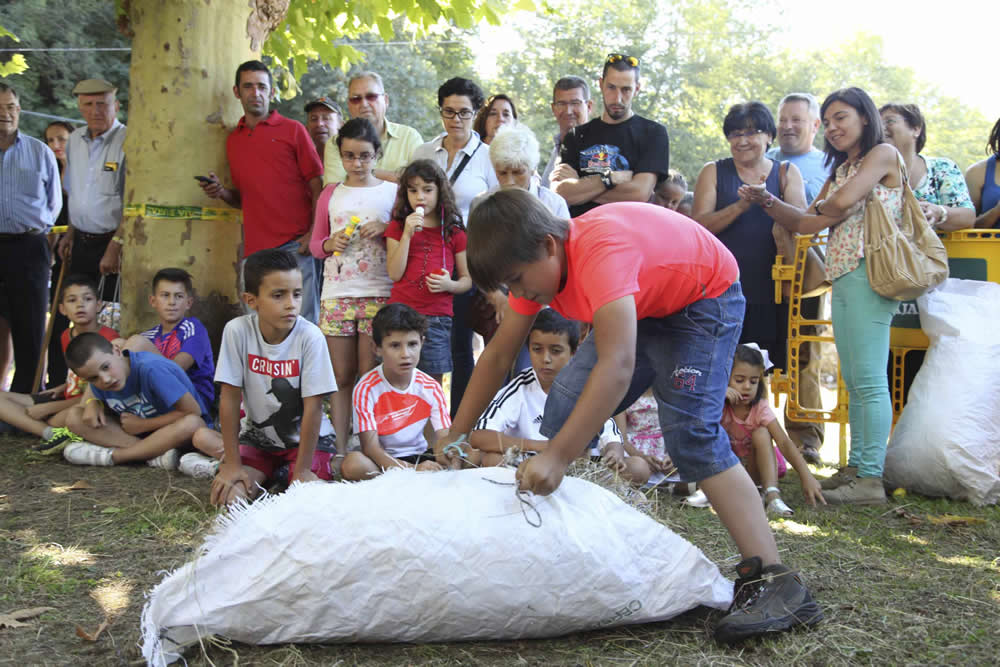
[858,491]
[839,478]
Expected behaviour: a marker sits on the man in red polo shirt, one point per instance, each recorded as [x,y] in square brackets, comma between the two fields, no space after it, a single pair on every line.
[277,176]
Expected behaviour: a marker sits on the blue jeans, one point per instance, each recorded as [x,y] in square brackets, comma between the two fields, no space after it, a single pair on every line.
[687,358]
[435,355]
[312,281]
[861,320]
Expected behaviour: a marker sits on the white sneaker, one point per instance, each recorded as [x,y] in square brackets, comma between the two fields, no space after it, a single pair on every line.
[697,499]
[85,453]
[354,443]
[167,460]
[198,466]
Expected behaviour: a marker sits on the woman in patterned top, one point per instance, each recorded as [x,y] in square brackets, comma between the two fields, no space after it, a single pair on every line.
[863,166]
[937,182]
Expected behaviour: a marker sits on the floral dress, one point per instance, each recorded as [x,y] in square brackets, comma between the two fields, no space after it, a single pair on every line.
[644,431]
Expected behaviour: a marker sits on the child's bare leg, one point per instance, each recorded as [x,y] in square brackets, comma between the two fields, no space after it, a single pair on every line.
[637,471]
[58,420]
[367,358]
[14,411]
[767,465]
[734,498]
[343,352]
[160,441]
[358,467]
[110,435]
[208,441]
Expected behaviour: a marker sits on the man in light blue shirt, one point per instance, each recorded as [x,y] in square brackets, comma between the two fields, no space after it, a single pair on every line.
[30,201]
[571,106]
[798,123]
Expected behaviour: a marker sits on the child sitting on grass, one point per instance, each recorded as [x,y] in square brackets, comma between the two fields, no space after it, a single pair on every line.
[394,401]
[665,301]
[753,430]
[44,414]
[138,406]
[277,363]
[513,418]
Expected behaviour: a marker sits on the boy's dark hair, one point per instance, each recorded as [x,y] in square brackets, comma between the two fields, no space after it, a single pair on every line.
[508,227]
[460,86]
[911,114]
[429,172]
[174,275]
[74,280]
[752,357]
[750,116]
[549,321]
[397,317]
[360,129]
[254,66]
[871,135]
[82,348]
[263,263]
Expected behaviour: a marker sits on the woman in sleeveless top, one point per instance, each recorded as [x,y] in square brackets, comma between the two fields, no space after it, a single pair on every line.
[743,226]
[984,183]
[863,166]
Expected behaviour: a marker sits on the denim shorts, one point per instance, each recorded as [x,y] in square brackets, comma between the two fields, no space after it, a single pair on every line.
[435,355]
[686,357]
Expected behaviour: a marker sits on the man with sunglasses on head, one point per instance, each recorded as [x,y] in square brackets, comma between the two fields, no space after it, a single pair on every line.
[366,98]
[618,157]
[571,106]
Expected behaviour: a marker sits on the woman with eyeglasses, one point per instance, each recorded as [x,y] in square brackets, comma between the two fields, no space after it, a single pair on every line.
[498,111]
[465,159]
[746,228]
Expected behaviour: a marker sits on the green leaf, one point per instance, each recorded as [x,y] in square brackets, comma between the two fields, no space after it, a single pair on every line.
[15,65]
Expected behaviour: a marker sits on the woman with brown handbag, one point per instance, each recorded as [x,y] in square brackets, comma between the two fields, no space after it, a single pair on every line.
[863,166]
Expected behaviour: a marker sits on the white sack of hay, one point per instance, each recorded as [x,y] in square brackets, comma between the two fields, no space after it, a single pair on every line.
[947,440]
[424,557]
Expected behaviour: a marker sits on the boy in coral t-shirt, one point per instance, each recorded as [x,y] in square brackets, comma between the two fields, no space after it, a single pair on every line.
[664,298]
[394,401]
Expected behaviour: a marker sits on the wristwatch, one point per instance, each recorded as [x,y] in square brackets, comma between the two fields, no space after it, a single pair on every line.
[606,178]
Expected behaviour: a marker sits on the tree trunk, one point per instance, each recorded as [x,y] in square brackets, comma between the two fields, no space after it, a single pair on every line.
[181,107]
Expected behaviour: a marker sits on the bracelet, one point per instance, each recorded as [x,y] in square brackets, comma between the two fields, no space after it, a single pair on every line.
[117,239]
[92,398]
[944,216]
[819,202]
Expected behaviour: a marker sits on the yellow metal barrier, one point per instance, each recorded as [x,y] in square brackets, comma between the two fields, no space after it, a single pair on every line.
[792,274]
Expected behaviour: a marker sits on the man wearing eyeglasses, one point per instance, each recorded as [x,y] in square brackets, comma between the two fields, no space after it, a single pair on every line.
[571,105]
[366,98]
[618,157]
[277,177]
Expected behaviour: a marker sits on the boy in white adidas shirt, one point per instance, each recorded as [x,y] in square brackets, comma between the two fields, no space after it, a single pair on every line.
[514,416]
[394,401]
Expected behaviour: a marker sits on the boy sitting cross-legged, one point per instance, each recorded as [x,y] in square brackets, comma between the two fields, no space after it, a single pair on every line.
[514,417]
[137,407]
[394,401]
[44,414]
[279,365]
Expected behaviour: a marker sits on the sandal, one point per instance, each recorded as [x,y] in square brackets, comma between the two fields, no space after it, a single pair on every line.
[777,506]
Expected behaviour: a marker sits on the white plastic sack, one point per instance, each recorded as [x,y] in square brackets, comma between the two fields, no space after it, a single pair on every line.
[947,440]
[422,557]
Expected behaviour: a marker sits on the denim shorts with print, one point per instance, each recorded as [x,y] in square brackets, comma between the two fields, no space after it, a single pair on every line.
[435,355]
[686,357]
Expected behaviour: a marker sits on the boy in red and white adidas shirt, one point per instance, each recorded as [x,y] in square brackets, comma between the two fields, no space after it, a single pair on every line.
[394,401]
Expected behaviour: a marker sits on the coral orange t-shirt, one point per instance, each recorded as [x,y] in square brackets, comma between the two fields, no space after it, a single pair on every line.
[665,259]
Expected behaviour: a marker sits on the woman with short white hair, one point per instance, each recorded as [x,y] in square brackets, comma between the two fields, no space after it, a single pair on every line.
[514,155]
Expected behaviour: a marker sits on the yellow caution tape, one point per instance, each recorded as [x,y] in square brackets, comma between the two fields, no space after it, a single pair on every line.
[181,212]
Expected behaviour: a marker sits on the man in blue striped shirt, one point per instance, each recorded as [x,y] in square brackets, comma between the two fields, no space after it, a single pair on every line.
[30,201]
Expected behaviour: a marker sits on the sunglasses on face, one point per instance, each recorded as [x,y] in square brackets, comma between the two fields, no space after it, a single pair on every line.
[368,97]
[631,61]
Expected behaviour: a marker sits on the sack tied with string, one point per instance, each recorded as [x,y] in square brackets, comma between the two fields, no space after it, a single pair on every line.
[423,557]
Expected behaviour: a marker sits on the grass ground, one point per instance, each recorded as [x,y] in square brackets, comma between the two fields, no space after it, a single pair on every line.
[897,587]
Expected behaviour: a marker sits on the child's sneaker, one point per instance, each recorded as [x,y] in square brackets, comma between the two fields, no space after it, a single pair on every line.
[766,599]
[198,466]
[697,499]
[777,507]
[58,440]
[83,453]
[167,460]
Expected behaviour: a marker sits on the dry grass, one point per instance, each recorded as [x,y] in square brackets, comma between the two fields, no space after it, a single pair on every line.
[896,588]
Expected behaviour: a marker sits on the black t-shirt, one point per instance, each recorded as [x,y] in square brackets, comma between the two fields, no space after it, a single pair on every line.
[639,145]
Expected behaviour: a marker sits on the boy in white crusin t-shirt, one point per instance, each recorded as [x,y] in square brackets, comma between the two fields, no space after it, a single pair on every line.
[394,401]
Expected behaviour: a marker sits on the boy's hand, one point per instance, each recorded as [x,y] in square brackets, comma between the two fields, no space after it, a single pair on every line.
[439,281]
[732,396]
[663,465]
[613,457]
[429,466]
[304,477]
[228,475]
[541,474]
[132,424]
[94,416]
[37,411]
[811,490]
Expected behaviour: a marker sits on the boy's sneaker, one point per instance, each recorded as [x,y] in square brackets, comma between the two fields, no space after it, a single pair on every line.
[839,478]
[167,460]
[55,444]
[766,599]
[84,453]
[198,466]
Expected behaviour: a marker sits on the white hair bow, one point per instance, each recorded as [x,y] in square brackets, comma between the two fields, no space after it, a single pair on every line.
[767,360]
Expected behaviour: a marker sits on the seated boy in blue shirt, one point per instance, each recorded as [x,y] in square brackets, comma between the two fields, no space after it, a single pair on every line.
[138,406]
